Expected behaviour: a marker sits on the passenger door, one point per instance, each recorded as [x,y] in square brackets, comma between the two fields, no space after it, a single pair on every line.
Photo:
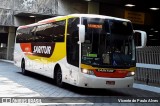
[73,49]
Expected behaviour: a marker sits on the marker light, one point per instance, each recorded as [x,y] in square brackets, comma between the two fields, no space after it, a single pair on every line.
[129,5]
[88,0]
[154,8]
[32,16]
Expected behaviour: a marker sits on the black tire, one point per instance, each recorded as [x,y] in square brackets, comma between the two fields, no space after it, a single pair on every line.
[24,72]
[58,78]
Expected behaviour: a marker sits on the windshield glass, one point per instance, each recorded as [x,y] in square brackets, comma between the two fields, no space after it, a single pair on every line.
[108,43]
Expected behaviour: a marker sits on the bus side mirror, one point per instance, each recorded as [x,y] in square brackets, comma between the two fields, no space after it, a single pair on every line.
[140,38]
[81,33]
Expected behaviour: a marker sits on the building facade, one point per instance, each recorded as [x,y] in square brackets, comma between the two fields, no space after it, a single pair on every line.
[14,13]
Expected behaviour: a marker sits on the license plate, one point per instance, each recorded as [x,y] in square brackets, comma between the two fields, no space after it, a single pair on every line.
[110,82]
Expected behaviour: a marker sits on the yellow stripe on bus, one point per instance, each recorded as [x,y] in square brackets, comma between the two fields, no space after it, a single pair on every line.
[90,67]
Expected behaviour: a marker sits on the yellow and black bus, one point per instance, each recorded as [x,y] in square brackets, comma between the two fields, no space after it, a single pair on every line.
[84,50]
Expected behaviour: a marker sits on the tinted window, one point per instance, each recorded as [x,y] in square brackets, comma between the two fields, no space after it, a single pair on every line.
[121,27]
[52,32]
[72,42]
[137,36]
[25,35]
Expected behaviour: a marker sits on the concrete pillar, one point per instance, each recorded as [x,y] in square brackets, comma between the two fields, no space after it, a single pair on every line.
[11,41]
[93,8]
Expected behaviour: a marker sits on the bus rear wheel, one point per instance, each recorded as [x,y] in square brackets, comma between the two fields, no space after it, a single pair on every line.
[24,72]
[58,78]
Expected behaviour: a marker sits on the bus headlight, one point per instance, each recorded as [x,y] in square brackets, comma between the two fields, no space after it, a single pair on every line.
[130,74]
[86,71]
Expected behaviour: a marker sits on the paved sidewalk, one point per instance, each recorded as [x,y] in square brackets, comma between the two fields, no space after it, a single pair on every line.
[147,87]
[8,61]
[9,88]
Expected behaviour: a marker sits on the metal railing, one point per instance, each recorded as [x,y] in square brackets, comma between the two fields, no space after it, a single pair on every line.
[149,67]
[153,75]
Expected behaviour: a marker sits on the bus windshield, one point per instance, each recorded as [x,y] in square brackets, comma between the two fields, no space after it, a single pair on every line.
[108,43]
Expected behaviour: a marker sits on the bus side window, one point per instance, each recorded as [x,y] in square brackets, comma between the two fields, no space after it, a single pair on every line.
[58,31]
[72,42]
[25,35]
[52,32]
[43,33]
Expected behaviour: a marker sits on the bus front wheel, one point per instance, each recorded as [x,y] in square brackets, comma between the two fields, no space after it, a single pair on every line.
[58,78]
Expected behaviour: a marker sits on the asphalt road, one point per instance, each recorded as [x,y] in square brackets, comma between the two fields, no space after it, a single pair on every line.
[14,84]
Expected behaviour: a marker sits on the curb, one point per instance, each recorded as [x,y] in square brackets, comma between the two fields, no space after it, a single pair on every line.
[147,87]
[8,61]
